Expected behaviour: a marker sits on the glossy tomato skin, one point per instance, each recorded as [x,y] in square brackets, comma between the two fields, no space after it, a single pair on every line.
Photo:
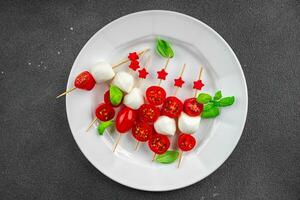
[142,131]
[172,107]
[125,119]
[192,108]
[85,81]
[155,95]
[104,112]
[158,143]
[107,99]
[148,113]
[186,142]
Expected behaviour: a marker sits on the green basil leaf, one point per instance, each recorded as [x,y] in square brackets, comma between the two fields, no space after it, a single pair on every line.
[103,125]
[218,95]
[211,113]
[168,157]
[208,106]
[115,95]
[203,98]
[226,101]
[164,49]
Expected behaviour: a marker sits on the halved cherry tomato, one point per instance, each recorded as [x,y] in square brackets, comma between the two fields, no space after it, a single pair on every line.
[158,143]
[192,108]
[104,112]
[125,119]
[107,99]
[155,95]
[148,113]
[172,107]
[186,142]
[142,131]
[85,81]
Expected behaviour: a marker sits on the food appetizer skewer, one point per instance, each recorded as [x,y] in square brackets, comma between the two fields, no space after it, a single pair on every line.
[100,72]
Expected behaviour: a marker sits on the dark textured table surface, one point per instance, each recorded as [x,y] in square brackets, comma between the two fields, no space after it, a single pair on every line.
[39,41]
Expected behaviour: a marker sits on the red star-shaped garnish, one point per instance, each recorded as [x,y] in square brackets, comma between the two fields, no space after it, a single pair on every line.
[198,85]
[162,74]
[134,65]
[133,56]
[178,82]
[143,73]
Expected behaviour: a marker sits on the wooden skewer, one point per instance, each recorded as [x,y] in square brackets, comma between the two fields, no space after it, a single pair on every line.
[66,92]
[180,159]
[199,78]
[137,145]
[90,125]
[114,66]
[153,158]
[182,70]
[117,142]
[165,67]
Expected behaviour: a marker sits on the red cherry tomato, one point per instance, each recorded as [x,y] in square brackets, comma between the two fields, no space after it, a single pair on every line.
[104,112]
[125,119]
[172,107]
[142,131]
[85,81]
[158,143]
[148,113]
[192,108]
[186,142]
[155,95]
[107,99]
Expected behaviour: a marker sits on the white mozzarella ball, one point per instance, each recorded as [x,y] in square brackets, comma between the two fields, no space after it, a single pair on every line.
[165,125]
[188,124]
[124,81]
[134,99]
[102,72]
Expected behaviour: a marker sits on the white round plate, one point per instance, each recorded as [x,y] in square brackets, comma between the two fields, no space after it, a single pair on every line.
[195,44]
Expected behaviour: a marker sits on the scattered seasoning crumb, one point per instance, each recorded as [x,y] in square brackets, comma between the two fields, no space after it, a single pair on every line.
[71,28]
[58,52]
[39,65]
[45,67]
[202,198]
[2,72]
[215,194]
[29,63]
[215,186]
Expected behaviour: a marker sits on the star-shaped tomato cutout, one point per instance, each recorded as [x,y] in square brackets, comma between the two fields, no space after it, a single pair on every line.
[162,74]
[133,56]
[178,82]
[198,85]
[143,73]
[134,65]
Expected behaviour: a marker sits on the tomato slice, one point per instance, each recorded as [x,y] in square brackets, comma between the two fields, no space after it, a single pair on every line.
[155,95]
[186,142]
[85,81]
[172,107]
[107,99]
[148,113]
[125,119]
[158,143]
[192,108]
[142,131]
[104,112]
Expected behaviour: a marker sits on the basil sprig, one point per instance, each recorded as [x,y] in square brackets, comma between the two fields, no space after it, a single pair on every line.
[115,95]
[164,49]
[168,157]
[103,125]
[211,104]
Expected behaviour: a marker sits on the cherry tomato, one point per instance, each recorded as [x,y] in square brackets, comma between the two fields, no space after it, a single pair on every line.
[172,107]
[148,113]
[155,95]
[104,112]
[186,142]
[107,99]
[125,119]
[158,143]
[85,81]
[142,131]
[192,108]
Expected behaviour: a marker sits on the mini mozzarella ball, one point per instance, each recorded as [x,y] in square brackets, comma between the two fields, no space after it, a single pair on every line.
[165,125]
[102,72]
[188,124]
[134,99]
[124,81]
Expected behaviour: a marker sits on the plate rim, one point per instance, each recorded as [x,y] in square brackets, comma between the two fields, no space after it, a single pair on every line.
[231,52]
